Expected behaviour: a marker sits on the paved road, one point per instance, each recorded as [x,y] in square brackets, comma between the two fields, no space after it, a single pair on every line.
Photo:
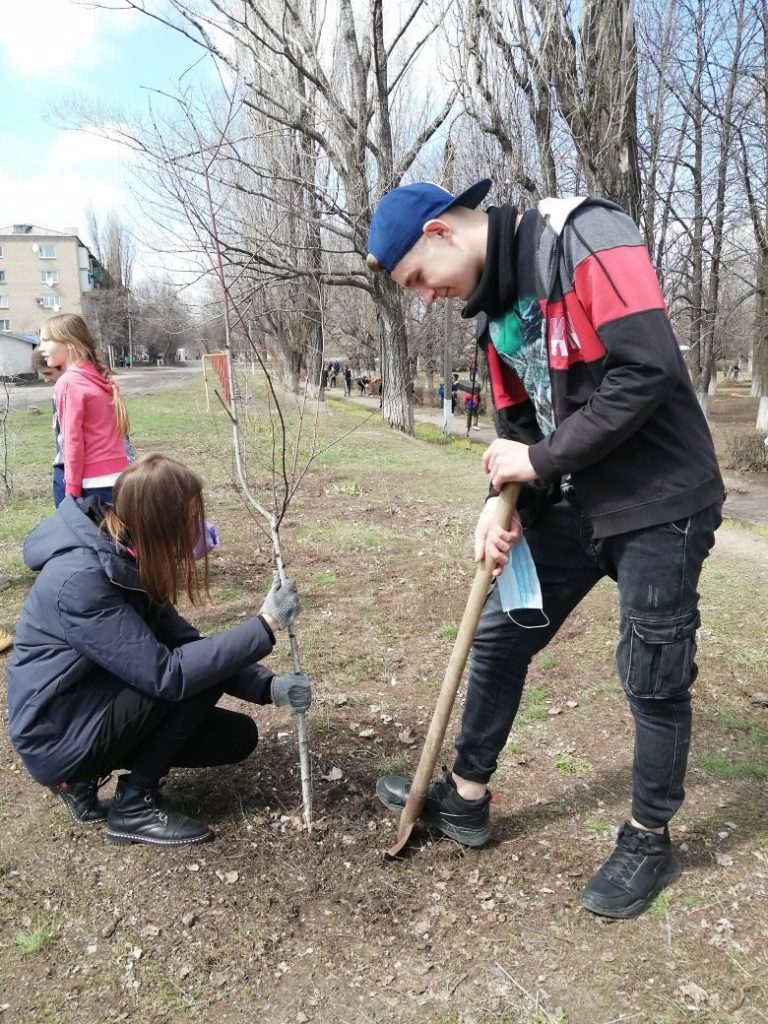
[132,382]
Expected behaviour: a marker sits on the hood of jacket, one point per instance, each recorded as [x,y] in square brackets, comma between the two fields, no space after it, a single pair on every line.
[75,524]
[86,373]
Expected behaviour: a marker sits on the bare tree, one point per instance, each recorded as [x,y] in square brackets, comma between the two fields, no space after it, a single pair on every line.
[753,146]
[340,87]
[537,75]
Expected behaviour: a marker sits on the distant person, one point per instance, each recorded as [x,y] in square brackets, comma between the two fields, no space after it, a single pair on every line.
[735,371]
[324,378]
[333,373]
[472,408]
[107,675]
[92,417]
[362,383]
[348,381]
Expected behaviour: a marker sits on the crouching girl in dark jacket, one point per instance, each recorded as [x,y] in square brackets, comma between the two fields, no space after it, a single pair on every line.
[106,674]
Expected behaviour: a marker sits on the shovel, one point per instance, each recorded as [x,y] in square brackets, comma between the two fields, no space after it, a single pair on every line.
[414,805]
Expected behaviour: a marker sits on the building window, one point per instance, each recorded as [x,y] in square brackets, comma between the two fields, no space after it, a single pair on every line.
[49,276]
[1,252]
[2,277]
[47,252]
[49,301]
[5,325]
[3,302]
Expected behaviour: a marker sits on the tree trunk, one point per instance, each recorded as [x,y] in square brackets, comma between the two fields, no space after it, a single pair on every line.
[609,57]
[396,405]
[760,346]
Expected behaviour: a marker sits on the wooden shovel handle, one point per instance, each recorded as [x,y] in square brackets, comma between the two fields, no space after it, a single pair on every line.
[447,696]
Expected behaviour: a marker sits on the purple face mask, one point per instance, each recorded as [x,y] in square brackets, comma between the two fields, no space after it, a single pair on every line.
[207,541]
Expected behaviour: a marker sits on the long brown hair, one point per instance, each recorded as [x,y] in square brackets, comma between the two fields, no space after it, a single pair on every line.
[71,330]
[158,503]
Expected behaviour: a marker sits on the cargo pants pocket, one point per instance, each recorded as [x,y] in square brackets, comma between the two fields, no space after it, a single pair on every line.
[655,658]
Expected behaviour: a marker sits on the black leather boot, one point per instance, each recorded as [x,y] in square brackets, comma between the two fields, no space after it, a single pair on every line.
[138,815]
[82,801]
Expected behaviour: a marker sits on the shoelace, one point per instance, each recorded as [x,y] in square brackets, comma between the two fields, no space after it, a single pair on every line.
[622,863]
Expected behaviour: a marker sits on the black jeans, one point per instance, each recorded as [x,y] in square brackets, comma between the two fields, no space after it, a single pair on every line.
[657,570]
[151,736]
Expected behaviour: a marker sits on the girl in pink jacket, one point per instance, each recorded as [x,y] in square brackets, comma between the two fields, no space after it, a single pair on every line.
[93,419]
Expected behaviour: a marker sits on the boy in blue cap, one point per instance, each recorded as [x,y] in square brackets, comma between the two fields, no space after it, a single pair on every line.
[597,419]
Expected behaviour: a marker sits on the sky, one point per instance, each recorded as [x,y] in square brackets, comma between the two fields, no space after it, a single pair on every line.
[50,51]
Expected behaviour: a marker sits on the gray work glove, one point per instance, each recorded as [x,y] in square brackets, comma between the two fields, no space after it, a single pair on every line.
[282,602]
[293,690]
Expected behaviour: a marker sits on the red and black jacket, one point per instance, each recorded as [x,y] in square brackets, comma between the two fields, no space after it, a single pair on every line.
[629,430]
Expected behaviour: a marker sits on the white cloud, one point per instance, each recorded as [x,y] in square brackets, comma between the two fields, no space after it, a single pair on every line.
[78,149]
[47,38]
[76,171]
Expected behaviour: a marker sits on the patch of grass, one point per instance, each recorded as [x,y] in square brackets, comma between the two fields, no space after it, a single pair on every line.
[36,938]
[733,771]
[325,576]
[555,1016]
[548,661]
[352,489]
[227,593]
[607,686]
[533,708]
[396,765]
[756,734]
[693,901]
[752,657]
[567,765]
[449,630]
[369,539]
[734,524]
[434,435]
[597,825]
[322,722]
[513,747]
[659,909]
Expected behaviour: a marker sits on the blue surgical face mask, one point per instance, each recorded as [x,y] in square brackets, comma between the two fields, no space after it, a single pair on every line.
[518,584]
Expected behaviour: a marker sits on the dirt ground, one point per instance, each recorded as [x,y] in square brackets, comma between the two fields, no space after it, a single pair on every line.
[270,923]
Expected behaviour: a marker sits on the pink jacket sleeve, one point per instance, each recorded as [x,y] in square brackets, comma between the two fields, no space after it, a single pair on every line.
[70,401]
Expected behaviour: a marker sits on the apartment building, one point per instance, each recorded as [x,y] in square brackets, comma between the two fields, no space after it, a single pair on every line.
[42,272]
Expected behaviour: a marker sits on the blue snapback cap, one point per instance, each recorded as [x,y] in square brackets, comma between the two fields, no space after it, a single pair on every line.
[402,213]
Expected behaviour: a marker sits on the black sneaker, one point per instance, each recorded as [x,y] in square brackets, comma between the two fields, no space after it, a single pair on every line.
[82,801]
[466,821]
[641,865]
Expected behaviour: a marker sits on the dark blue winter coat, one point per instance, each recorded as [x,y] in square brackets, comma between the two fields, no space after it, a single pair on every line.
[88,629]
